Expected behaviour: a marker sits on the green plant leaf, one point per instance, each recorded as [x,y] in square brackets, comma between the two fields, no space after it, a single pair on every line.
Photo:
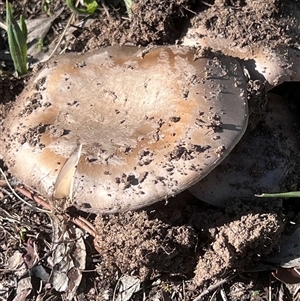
[91,6]
[16,41]
[290,194]
[40,45]
[23,27]
[128,4]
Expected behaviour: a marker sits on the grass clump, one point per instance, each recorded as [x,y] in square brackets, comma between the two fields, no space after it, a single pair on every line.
[17,37]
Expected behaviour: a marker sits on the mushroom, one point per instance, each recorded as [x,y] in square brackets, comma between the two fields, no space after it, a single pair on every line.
[259,163]
[274,66]
[151,124]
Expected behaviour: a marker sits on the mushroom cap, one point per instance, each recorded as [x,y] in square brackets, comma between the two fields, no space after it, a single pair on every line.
[151,124]
[272,65]
[259,163]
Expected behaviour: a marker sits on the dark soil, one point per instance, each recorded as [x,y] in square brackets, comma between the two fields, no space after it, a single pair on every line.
[179,247]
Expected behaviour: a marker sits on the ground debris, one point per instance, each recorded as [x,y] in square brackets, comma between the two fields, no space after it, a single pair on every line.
[68,258]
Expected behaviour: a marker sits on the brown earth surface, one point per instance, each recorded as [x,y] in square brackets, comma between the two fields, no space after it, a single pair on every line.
[181,246]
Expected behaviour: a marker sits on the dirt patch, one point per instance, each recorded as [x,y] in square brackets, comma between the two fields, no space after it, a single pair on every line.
[257,100]
[10,87]
[165,240]
[141,244]
[248,23]
[237,244]
[152,22]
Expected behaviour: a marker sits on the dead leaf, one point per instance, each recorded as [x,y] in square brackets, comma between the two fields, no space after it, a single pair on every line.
[31,256]
[284,293]
[128,285]
[68,257]
[24,289]
[287,276]
[40,272]
[15,261]
[37,30]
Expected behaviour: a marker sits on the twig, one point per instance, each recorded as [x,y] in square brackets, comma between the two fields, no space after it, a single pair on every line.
[14,193]
[270,287]
[36,198]
[183,290]
[84,224]
[223,295]
[105,9]
[79,221]
[62,36]
[8,217]
[214,287]
[5,193]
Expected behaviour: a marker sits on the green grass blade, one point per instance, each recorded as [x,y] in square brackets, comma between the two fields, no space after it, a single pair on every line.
[291,194]
[91,6]
[16,41]
[23,27]
[128,4]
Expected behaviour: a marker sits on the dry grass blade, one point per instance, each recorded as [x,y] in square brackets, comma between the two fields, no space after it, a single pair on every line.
[14,193]
[214,287]
[79,221]
[62,36]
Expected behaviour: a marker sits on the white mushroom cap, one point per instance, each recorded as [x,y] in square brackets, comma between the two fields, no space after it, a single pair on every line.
[150,124]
